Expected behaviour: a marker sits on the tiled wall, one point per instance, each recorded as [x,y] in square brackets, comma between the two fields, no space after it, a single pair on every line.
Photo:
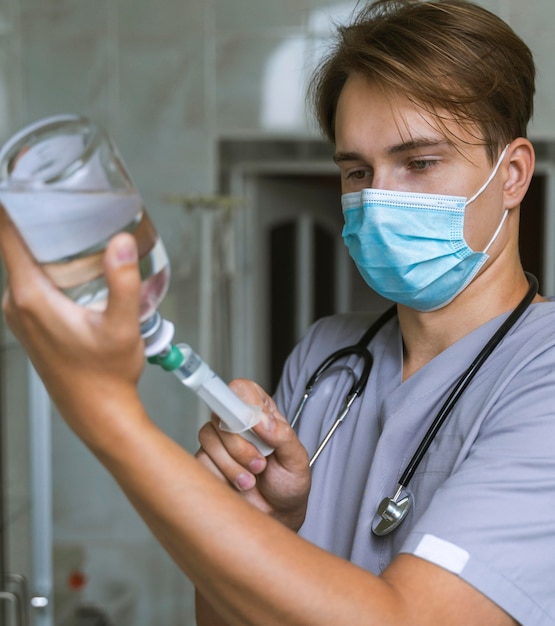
[167,78]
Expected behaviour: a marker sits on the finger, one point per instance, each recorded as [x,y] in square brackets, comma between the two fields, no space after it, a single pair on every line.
[204,459]
[237,473]
[276,431]
[251,393]
[273,429]
[241,452]
[123,279]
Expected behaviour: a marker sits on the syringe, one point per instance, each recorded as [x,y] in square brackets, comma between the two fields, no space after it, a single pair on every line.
[192,371]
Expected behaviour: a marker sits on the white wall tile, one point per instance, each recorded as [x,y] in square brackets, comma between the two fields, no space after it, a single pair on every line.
[253,17]
[67,59]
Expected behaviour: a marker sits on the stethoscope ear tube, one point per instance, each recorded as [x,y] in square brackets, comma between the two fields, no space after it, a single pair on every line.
[358,386]
[338,420]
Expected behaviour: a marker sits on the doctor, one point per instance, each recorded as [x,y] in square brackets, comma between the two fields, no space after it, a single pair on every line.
[427,106]
[474,549]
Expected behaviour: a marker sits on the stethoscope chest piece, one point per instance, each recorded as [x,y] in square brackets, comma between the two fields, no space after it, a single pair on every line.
[392,512]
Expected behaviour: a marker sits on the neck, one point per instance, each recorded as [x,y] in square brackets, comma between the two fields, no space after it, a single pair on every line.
[492,293]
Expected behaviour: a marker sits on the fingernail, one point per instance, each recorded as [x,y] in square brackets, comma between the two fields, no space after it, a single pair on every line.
[126,251]
[257,465]
[245,481]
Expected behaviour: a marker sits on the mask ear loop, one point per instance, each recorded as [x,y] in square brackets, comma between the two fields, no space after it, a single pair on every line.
[491,176]
[488,181]
[497,231]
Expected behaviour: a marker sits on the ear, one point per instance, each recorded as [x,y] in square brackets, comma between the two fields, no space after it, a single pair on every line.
[519,168]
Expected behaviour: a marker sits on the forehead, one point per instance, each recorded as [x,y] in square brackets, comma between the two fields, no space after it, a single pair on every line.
[366,111]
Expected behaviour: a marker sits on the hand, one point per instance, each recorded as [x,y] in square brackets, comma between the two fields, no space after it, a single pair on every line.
[277,485]
[84,357]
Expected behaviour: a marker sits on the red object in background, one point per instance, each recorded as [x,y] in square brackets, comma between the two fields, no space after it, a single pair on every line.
[76,580]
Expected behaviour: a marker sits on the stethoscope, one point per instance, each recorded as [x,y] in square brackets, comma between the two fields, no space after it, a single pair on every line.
[392,511]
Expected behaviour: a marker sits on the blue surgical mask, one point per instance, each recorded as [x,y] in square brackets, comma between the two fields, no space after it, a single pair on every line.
[410,247]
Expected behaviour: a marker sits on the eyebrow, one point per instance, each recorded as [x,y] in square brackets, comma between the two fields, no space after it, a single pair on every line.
[407,146]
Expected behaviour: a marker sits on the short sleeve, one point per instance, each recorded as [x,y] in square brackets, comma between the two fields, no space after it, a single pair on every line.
[492,522]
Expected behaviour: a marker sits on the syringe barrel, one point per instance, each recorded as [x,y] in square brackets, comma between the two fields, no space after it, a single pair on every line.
[193,371]
[237,416]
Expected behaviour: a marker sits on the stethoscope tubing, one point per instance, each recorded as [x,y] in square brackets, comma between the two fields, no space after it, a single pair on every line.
[465,380]
[361,349]
[392,511]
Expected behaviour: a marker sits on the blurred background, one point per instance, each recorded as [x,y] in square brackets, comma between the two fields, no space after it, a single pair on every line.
[206,101]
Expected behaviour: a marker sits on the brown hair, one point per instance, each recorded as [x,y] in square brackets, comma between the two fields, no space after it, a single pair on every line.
[444,55]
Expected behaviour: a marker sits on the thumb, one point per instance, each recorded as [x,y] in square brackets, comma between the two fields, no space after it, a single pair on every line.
[275,430]
[123,278]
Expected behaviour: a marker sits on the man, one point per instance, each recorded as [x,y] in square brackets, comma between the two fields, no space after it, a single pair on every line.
[422,98]
[442,159]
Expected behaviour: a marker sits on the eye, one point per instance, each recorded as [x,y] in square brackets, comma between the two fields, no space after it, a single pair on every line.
[421,164]
[357,174]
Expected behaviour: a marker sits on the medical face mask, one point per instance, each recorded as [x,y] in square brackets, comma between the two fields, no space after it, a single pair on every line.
[410,247]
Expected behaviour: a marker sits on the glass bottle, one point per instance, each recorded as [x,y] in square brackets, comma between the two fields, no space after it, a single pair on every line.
[68,191]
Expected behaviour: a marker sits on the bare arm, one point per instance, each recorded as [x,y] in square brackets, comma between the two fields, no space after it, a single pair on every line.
[251,568]
[205,613]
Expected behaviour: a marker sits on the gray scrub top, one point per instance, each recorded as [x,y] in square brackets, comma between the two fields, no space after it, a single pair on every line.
[484,494]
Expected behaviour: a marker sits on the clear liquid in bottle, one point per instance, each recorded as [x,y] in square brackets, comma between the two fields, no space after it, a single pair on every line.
[80,276]
[67,190]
